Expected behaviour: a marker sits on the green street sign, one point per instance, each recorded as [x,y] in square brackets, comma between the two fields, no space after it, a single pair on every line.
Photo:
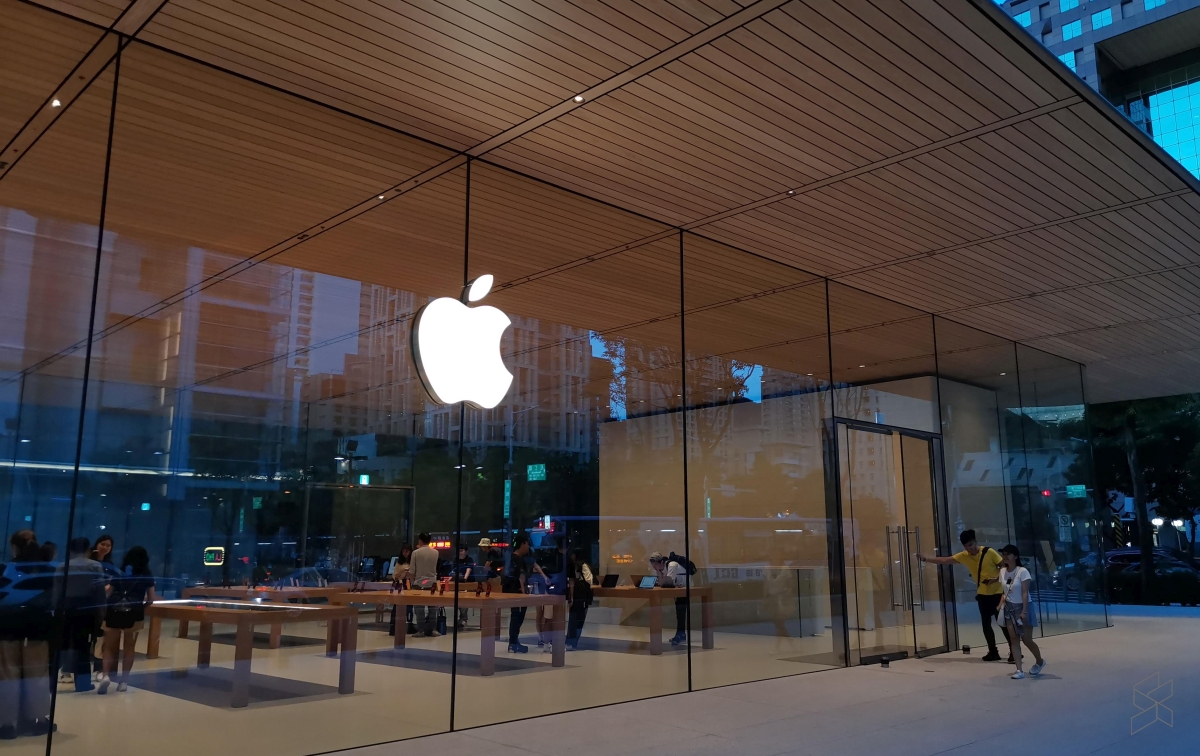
[535,472]
[1076,492]
[507,498]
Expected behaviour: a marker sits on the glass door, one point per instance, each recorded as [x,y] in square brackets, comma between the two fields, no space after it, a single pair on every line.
[918,461]
[894,603]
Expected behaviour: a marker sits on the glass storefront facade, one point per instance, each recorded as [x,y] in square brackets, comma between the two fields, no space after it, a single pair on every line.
[200,360]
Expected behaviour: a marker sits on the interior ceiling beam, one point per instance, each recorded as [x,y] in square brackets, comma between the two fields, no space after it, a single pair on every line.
[132,20]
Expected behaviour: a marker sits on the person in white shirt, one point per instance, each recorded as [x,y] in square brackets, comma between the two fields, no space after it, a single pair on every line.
[1018,614]
[672,574]
[423,573]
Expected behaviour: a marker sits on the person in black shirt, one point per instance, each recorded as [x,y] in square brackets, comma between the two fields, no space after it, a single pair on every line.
[101,552]
[464,571]
[520,568]
[579,596]
[128,595]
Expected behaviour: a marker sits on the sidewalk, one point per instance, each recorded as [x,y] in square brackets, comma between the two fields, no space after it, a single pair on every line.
[949,704]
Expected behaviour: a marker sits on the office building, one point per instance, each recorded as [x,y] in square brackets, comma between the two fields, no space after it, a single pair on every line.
[1142,55]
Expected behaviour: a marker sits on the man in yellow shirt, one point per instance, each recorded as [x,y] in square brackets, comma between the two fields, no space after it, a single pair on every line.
[984,566]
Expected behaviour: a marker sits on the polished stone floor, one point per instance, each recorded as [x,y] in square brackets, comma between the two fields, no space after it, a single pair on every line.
[1085,703]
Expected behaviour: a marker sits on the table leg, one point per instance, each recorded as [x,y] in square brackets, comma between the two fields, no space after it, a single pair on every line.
[244,646]
[558,629]
[655,626]
[401,626]
[183,629]
[276,634]
[706,620]
[332,637]
[204,651]
[349,654]
[489,628]
[152,637]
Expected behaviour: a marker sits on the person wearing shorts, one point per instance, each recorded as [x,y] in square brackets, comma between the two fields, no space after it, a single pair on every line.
[128,595]
[1018,615]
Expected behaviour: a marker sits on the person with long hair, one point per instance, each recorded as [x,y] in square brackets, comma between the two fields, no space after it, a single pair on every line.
[579,596]
[1019,615]
[25,647]
[101,552]
[128,596]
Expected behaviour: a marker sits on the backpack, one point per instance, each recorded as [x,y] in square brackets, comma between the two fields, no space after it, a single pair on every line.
[688,565]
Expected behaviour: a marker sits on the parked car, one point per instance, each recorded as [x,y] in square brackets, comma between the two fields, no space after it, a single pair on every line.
[1071,576]
[1175,582]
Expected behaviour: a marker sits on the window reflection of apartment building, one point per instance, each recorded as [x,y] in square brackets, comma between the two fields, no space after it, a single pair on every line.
[791,422]
[547,407]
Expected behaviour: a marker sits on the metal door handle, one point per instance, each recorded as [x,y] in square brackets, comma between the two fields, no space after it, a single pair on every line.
[891,575]
[920,573]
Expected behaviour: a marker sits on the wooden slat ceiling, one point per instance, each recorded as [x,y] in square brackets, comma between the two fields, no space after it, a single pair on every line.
[926,151]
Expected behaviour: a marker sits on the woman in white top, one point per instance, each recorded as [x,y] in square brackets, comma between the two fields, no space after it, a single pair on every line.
[1018,615]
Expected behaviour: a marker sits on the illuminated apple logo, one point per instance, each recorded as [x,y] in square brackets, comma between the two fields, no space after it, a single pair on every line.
[456,348]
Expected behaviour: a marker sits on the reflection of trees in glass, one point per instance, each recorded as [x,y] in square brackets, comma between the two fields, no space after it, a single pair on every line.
[1149,449]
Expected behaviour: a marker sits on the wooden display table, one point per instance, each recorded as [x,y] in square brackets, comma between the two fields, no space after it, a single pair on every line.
[655,596]
[343,630]
[489,611]
[242,593]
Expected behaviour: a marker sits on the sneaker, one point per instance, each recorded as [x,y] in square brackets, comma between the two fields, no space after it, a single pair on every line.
[1036,669]
[65,677]
[1018,675]
[541,643]
[991,656]
[122,687]
[1011,660]
[549,647]
[517,648]
[678,640]
[104,683]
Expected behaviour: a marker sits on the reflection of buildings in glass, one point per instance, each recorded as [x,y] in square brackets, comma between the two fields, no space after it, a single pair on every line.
[380,392]
[1144,57]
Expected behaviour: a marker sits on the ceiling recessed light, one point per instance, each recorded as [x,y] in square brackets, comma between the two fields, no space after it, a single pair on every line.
[791,191]
[55,103]
[578,98]
[380,197]
[1004,374]
[862,365]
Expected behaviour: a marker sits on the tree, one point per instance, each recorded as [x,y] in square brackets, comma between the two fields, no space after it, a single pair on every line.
[1148,449]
